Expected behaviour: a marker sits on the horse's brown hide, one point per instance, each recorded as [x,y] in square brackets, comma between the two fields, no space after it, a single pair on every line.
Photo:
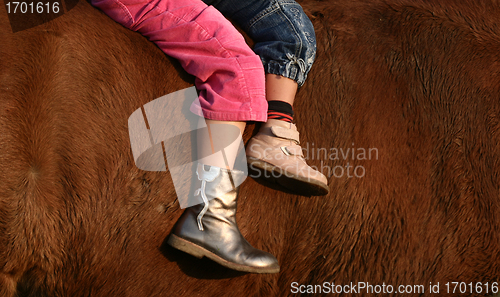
[418,81]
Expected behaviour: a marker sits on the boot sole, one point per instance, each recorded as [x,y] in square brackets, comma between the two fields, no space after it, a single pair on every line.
[298,184]
[199,252]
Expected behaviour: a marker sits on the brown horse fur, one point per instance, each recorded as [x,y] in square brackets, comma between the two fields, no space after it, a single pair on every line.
[417,80]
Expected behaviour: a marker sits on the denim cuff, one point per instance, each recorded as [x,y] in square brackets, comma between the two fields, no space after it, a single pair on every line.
[294,69]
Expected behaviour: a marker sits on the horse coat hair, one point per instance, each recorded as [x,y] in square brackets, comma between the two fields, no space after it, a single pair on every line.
[417,82]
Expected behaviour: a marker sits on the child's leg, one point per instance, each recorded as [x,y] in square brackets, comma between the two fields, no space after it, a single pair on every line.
[206,146]
[228,73]
[231,83]
[283,34]
[285,40]
[210,229]
[280,88]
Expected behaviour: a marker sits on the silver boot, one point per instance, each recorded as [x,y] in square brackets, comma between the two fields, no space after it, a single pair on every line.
[210,230]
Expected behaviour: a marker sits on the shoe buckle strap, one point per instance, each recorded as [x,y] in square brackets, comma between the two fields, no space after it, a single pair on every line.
[293,150]
[285,133]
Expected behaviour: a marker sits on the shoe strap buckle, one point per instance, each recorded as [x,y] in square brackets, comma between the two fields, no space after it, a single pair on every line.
[285,150]
[292,150]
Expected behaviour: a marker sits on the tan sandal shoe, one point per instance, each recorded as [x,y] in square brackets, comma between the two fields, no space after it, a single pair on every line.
[275,154]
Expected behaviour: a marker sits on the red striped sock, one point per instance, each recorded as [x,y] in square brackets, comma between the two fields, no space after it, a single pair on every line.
[280,110]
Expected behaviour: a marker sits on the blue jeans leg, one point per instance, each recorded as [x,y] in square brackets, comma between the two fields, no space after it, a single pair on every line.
[283,34]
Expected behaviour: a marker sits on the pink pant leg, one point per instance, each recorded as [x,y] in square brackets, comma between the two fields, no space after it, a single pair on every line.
[229,75]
